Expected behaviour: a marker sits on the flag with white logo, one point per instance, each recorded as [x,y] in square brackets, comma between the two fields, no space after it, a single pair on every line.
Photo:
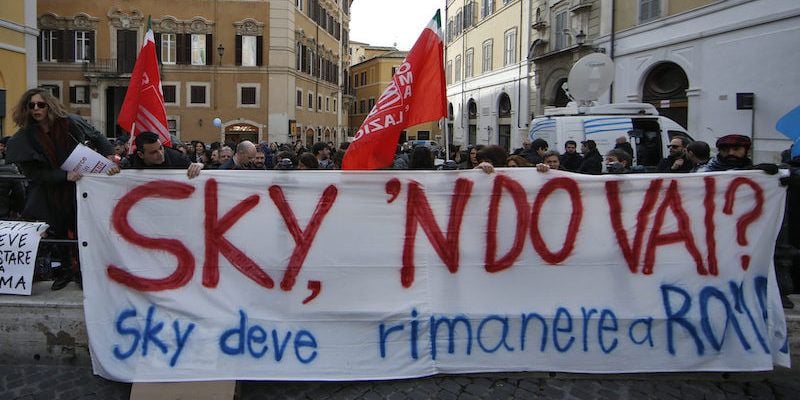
[415,95]
[143,108]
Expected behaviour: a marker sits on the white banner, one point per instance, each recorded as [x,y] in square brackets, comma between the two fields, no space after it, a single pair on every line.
[324,275]
[19,244]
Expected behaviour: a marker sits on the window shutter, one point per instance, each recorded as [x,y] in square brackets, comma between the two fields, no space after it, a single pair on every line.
[157,39]
[238,50]
[86,95]
[209,49]
[184,48]
[39,49]
[90,56]
[259,50]
[73,96]
[58,44]
[69,46]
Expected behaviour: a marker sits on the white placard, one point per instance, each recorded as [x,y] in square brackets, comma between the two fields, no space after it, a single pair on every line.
[86,161]
[19,244]
[325,275]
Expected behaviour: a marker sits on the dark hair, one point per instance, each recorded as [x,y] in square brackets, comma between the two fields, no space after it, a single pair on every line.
[683,139]
[421,158]
[539,144]
[318,147]
[570,142]
[700,149]
[308,160]
[494,154]
[519,160]
[621,156]
[145,138]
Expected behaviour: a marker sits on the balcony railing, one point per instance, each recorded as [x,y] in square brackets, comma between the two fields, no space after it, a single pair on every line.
[109,66]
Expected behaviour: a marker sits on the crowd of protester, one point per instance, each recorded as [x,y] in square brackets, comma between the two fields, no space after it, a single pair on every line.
[48,135]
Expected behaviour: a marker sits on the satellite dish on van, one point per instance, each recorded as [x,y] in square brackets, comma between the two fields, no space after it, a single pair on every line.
[590,77]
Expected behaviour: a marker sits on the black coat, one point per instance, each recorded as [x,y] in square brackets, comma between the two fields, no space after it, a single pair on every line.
[51,197]
[592,163]
[173,159]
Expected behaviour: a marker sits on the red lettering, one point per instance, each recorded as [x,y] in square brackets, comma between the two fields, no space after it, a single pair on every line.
[216,242]
[631,255]
[523,212]
[711,240]
[119,220]
[747,218]
[673,201]
[303,239]
[571,187]
[418,211]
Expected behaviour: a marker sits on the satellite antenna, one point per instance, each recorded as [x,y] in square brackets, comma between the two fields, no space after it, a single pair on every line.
[589,78]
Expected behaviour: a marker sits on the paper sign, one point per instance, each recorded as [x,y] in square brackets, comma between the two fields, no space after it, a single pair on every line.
[86,161]
[19,244]
[323,275]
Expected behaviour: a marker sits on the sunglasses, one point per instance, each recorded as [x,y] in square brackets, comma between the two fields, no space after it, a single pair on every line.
[37,104]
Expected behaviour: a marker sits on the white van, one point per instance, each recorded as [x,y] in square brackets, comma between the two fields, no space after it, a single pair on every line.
[648,132]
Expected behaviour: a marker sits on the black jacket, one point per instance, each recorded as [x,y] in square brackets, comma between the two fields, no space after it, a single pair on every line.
[50,197]
[592,163]
[571,161]
[173,159]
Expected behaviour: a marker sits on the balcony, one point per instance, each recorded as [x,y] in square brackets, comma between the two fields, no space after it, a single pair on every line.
[579,6]
[108,67]
[539,25]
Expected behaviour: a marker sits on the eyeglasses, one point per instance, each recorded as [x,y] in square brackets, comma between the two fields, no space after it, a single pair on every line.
[673,146]
[37,104]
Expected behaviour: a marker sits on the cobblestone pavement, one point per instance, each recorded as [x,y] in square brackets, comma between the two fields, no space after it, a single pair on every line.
[77,382]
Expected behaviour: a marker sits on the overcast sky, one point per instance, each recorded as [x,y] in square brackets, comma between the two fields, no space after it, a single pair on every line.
[385,22]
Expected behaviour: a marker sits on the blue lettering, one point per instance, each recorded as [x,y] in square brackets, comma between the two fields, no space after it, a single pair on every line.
[383,333]
[151,332]
[180,340]
[280,348]
[451,325]
[708,330]
[237,334]
[567,329]
[741,306]
[587,315]
[302,339]
[256,335]
[607,315]
[502,342]
[679,318]
[129,313]
[648,337]
[524,330]
[414,334]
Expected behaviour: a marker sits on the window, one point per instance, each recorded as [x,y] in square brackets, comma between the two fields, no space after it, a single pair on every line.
[319,102]
[649,10]
[310,101]
[371,103]
[299,100]
[364,78]
[449,72]
[54,89]
[486,62]
[470,14]
[487,8]
[169,48]
[198,49]
[249,51]
[362,106]
[248,94]
[457,76]
[84,46]
[469,61]
[327,104]
[172,125]
[299,4]
[334,105]
[79,94]
[170,93]
[197,93]
[50,45]
[561,25]
[394,70]
[510,47]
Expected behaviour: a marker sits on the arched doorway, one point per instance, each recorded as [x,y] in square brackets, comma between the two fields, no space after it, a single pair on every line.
[560,98]
[665,88]
[504,121]
[472,116]
[241,131]
[309,140]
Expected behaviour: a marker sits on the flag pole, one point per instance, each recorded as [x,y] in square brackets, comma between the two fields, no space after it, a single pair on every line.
[446,139]
[130,138]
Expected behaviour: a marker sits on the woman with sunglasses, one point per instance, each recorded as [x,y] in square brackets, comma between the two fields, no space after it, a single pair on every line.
[46,137]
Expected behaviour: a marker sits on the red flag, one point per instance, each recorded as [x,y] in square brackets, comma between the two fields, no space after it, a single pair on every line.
[143,108]
[415,95]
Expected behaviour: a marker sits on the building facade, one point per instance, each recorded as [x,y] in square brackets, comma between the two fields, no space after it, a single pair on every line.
[487,72]
[369,78]
[562,31]
[241,61]
[18,37]
[717,67]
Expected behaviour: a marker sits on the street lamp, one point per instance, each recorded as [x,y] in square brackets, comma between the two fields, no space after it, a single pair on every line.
[220,51]
[580,38]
